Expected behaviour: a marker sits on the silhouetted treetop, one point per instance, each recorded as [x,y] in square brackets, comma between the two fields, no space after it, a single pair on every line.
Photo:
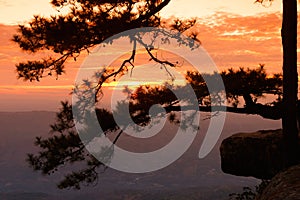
[87,24]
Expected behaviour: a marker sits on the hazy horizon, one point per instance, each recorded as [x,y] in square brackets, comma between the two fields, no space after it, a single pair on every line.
[188,174]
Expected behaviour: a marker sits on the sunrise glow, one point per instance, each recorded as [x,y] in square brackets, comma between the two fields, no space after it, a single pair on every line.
[234,33]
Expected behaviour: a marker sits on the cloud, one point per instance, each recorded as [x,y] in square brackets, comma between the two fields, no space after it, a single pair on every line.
[242,41]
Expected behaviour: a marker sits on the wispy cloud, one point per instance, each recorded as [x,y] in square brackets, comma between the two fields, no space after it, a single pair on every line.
[242,41]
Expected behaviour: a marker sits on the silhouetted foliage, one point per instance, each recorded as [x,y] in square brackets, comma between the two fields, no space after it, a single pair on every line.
[248,193]
[66,36]
[250,84]
[87,24]
[91,22]
[244,89]
[65,147]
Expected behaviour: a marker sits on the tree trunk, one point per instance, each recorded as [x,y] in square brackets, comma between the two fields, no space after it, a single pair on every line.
[290,76]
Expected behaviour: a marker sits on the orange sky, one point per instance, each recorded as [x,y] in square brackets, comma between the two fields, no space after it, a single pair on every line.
[18,11]
[233,37]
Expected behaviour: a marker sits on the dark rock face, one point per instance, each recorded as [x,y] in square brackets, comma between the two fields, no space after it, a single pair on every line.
[260,154]
[284,186]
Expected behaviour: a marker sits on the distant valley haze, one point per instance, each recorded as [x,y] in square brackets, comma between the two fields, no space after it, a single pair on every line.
[187,176]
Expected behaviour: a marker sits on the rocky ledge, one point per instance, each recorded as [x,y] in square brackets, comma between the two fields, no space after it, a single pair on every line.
[284,186]
[260,154]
